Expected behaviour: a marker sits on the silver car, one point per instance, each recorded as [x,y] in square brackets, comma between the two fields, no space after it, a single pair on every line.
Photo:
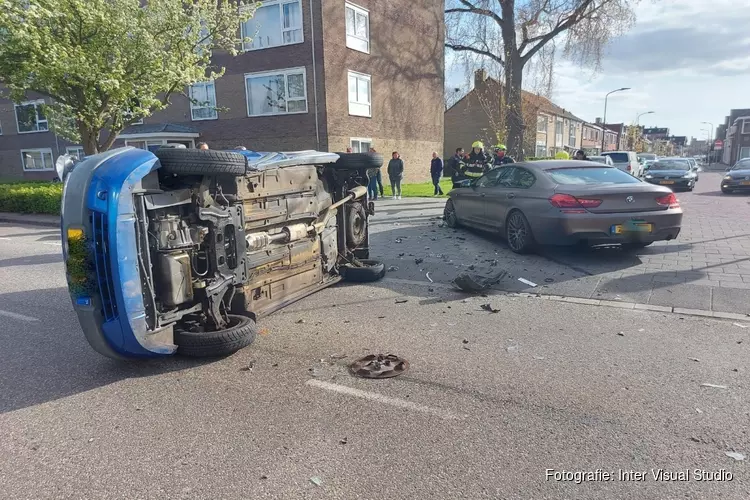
[627,161]
[564,202]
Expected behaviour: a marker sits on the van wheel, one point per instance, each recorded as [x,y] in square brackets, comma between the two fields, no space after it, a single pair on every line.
[201,162]
[363,271]
[197,343]
[358,161]
[356,225]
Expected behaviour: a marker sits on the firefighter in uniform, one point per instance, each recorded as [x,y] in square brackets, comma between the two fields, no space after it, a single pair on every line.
[478,162]
[501,156]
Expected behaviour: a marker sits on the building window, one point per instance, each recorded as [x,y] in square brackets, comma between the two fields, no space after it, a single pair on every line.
[359,94]
[203,101]
[76,151]
[541,124]
[37,159]
[558,133]
[275,23]
[357,28]
[154,144]
[746,126]
[276,92]
[360,145]
[572,135]
[30,117]
[541,149]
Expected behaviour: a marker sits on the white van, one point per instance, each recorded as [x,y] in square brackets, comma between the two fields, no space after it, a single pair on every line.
[627,161]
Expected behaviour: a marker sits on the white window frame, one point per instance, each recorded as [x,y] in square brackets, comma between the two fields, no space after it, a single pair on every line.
[280,3]
[360,76]
[286,72]
[36,104]
[46,168]
[362,12]
[74,150]
[539,119]
[360,140]
[572,127]
[559,136]
[194,107]
[745,126]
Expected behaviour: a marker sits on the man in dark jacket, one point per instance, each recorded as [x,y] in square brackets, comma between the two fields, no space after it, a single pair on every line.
[396,174]
[455,163]
[580,155]
[436,172]
[501,157]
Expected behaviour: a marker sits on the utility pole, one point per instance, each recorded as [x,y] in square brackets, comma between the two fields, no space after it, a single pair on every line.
[710,141]
[604,128]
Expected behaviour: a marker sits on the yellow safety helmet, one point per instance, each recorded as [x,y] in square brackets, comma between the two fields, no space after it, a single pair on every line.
[562,155]
[499,147]
[478,144]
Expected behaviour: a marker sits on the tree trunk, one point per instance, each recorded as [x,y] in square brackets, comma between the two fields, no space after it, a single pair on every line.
[88,139]
[514,123]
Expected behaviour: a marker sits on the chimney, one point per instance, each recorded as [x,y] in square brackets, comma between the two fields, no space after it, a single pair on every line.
[480,76]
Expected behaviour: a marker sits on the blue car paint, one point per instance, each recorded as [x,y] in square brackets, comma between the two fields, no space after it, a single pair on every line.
[110,192]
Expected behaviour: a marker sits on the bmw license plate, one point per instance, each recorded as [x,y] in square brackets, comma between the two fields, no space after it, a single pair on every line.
[632,227]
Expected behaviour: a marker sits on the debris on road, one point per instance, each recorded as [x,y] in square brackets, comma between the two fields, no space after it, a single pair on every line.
[548,280]
[338,356]
[399,240]
[472,267]
[740,325]
[427,275]
[248,367]
[392,268]
[735,455]
[300,321]
[465,341]
[539,358]
[641,329]
[698,410]
[344,440]
[379,366]
[621,334]
[316,480]
[512,348]
[694,359]
[402,301]
[418,261]
[527,282]
[715,386]
[474,283]
[489,308]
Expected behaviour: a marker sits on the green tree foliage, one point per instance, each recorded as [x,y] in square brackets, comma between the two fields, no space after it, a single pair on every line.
[105,64]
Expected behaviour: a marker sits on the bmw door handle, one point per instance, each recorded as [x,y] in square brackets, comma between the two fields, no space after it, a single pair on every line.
[510,196]
[483,195]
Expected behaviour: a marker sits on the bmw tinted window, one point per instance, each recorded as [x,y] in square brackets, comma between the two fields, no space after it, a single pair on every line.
[492,177]
[521,178]
[595,175]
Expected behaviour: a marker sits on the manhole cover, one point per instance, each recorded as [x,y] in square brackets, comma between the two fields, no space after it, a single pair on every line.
[379,366]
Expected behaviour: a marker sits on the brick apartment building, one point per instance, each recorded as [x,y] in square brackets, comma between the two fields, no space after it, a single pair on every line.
[318,74]
[736,130]
[478,116]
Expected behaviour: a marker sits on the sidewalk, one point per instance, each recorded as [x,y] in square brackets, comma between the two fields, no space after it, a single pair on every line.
[30,219]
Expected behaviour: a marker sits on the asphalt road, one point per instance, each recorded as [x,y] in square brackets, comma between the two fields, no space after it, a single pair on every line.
[491,401]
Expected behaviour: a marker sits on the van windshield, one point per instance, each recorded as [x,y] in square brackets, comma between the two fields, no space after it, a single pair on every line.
[618,157]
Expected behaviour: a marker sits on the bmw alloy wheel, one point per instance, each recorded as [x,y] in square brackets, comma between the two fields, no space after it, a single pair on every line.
[518,233]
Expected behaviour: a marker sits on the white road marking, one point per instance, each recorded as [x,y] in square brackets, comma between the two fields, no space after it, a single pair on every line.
[373,396]
[53,243]
[17,316]
[4,239]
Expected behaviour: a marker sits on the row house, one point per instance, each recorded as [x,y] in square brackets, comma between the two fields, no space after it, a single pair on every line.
[322,75]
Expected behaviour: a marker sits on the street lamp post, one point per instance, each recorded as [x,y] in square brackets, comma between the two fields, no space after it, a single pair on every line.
[638,126]
[604,128]
[711,138]
[638,118]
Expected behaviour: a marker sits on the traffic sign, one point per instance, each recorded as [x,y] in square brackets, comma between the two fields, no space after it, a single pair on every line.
[718,144]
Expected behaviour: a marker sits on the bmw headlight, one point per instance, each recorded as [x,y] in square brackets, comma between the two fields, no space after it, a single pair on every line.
[727,177]
[649,176]
[687,175]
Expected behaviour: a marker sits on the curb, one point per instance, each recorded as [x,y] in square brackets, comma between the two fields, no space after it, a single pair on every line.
[31,221]
[702,313]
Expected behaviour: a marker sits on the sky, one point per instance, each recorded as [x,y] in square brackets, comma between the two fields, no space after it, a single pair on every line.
[686,60]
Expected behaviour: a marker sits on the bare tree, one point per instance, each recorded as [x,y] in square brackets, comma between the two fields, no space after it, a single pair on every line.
[511,33]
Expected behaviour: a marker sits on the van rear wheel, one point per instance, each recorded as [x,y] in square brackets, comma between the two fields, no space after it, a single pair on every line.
[196,342]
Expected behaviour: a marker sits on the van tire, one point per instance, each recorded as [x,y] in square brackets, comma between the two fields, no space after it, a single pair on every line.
[358,161]
[240,333]
[371,270]
[201,162]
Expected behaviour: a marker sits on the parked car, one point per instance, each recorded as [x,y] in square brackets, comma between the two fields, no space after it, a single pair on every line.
[644,157]
[604,160]
[627,161]
[554,202]
[182,250]
[677,173]
[737,177]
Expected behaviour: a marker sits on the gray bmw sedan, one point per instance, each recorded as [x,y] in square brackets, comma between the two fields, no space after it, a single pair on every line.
[565,202]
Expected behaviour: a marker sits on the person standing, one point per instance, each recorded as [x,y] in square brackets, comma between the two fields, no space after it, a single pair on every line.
[436,172]
[456,163]
[501,156]
[372,183]
[396,174]
[380,176]
[581,155]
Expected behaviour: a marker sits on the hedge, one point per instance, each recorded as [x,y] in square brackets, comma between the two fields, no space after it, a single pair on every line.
[31,197]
